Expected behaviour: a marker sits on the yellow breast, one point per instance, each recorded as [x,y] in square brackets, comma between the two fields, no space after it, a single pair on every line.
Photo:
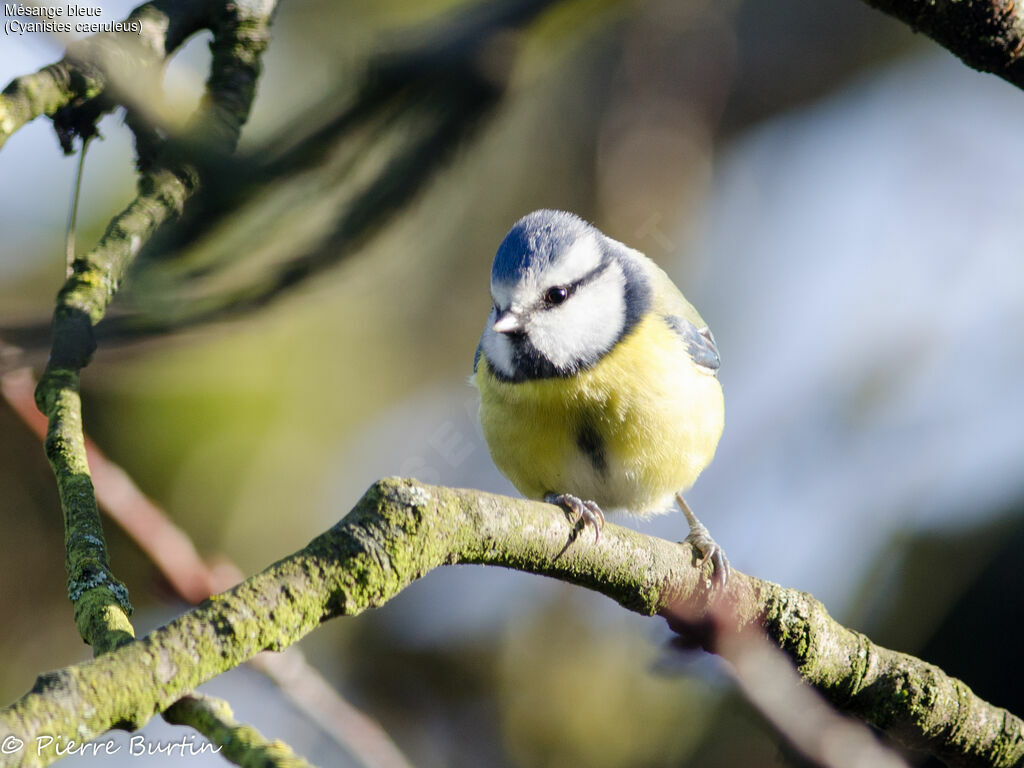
[628,432]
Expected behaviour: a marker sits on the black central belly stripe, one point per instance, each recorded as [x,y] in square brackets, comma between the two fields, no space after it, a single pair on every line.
[590,442]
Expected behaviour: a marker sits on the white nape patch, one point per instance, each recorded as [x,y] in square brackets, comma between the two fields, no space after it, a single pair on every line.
[584,327]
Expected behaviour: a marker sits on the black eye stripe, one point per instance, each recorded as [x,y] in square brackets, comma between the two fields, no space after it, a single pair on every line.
[572,287]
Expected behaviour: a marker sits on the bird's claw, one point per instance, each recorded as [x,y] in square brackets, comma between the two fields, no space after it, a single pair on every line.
[587,511]
[708,548]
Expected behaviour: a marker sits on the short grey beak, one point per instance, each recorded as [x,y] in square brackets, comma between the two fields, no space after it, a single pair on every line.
[508,322]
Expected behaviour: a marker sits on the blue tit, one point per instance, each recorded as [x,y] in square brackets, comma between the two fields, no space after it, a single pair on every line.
[597,378]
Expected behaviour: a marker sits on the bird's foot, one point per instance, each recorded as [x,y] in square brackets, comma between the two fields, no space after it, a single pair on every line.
[587,511]
[706,547]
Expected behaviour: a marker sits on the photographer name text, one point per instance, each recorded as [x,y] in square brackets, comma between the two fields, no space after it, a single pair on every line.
[137,746]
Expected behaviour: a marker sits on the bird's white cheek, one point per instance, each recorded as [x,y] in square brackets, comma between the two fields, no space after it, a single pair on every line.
[498,350]
[582,329]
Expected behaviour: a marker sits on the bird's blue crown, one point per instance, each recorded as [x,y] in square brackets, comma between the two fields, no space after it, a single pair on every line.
[534,242]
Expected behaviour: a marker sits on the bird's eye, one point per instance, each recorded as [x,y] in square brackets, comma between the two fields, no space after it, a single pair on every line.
[555,296]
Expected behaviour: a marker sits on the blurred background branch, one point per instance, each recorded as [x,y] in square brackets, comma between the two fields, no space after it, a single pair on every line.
[378,148]
[987,35]
[77,83]
[373,153]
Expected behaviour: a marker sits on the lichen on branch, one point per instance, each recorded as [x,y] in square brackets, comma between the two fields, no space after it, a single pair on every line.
[101,62]
[97,67]
[402,529]
[241,744]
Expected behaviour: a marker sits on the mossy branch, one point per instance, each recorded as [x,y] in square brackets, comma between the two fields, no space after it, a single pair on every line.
[240,37]
[94,76]
[987,35]
[241,744]
[402,529]
[112,69]
[91,65]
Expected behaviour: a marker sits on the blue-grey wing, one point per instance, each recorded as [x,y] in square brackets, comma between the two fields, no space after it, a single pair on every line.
[700,343]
